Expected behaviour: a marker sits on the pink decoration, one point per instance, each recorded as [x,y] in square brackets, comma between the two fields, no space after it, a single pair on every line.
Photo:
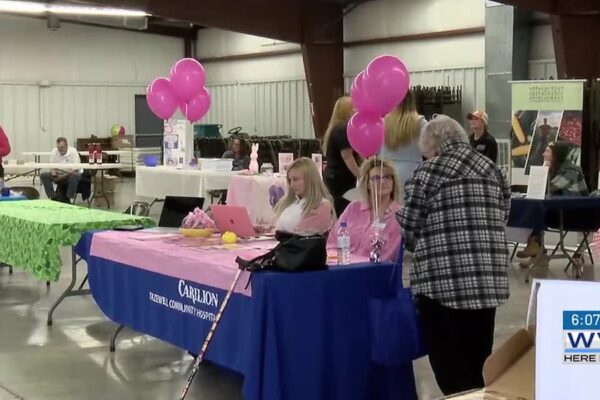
[366,133]
[188,78]
[254,159]
[357,93]
[386,83]
[161,98]
[198,106]
[198,219]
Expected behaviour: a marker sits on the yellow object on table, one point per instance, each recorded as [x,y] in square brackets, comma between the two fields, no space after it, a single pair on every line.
[229,238]
[187,232]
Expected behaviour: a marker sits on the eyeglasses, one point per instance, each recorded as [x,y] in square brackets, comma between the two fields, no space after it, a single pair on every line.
[380,178]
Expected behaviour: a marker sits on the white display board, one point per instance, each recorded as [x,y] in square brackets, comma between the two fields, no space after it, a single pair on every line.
[178,142]
[567,340]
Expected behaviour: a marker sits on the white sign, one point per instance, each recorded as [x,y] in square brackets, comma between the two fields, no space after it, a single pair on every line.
[567,340]
[538,182]
[177,136]
[285,160]
[318,159]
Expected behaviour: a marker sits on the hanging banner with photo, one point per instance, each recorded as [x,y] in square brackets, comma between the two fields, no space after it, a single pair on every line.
[543,112]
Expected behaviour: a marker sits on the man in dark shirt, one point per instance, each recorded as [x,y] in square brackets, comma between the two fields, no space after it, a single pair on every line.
[480,138]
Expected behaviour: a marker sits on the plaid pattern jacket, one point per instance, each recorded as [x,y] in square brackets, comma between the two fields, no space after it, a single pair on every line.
[454,219]
[568,181]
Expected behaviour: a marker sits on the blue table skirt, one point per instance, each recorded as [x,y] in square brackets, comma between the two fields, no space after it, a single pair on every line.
[580,214]
[299,337]
[12,198]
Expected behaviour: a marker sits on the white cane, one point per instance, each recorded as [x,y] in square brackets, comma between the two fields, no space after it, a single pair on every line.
[210,335]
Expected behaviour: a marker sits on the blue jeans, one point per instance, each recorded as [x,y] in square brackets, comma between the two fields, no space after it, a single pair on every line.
[72,181]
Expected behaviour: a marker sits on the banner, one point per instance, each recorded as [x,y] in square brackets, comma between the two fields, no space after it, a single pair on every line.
[543,112]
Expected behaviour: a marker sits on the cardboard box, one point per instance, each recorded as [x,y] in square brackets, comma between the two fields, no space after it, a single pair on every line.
[509,372]
[110,182]
[122,142]
[558,356]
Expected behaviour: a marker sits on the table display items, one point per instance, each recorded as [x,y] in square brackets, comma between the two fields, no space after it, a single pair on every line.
[254,159]
[197,224]
[343,244]
[267,169]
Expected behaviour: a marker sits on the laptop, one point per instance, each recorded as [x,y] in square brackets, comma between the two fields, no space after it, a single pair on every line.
[233,219]
[176,208]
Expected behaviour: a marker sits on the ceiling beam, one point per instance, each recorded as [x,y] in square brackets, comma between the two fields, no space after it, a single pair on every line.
[277,20]
[556,7]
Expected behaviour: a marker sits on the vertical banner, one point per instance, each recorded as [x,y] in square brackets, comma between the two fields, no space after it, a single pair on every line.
[176,136]
[543,112]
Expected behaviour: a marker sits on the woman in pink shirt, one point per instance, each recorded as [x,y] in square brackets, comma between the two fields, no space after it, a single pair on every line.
[359,215]
[307,208]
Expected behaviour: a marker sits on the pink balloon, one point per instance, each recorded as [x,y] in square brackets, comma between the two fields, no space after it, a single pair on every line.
[357,94]
[366,133]
[386,83]
[161,98]
[198,106]
[188,78]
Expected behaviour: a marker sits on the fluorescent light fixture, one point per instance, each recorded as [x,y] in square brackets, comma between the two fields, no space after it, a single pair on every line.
[82,10]
[41,8]
[22,7]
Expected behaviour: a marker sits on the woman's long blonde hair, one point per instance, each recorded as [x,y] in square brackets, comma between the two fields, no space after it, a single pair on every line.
[342,112]
[365,171]
[315,190]
[402,123]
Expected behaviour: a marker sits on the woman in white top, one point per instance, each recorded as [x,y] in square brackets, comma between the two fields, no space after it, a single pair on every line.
[307,207]
[403,128]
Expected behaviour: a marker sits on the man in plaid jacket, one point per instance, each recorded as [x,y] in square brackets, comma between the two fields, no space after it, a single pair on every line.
[454,217]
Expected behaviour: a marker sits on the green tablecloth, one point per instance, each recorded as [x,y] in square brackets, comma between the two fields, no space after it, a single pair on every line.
[32,232]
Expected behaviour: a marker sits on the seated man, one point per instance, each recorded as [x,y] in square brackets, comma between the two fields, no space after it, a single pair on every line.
[62,154]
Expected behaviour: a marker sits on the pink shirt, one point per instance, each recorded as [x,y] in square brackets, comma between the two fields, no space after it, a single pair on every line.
[360,225]
[316,221]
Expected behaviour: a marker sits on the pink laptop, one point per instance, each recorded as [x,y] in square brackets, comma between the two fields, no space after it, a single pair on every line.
[233,219]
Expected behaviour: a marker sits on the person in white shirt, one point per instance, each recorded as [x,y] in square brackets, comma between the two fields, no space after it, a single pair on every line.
[62,154]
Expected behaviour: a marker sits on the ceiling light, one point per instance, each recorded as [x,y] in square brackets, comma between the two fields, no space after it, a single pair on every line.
[82,10]
[40,8]
[22,7]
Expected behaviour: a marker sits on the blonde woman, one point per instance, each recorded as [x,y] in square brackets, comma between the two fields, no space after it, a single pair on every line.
[307,207]
[342,168]
[403,128]
[360,214]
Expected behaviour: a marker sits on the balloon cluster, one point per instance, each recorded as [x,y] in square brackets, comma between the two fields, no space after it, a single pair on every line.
[375,92]
[185,89]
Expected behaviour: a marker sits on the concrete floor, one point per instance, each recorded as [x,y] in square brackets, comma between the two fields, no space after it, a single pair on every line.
[70,360]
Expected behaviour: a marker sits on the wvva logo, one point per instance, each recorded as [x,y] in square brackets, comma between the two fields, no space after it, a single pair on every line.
[581,336]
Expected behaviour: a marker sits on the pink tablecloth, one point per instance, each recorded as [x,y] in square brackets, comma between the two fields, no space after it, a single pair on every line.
[195,260]
[258,194]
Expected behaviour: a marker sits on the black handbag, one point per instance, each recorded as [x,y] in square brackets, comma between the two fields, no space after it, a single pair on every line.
[294,253]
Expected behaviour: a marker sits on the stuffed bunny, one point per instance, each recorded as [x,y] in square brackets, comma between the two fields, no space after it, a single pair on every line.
[254,159]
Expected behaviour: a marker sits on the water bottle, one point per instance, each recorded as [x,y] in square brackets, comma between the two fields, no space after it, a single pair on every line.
[343,245]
